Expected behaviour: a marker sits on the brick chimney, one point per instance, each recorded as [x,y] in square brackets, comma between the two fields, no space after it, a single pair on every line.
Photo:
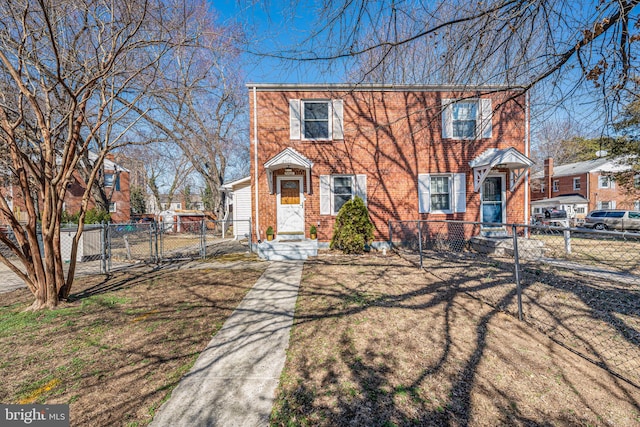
[548,176]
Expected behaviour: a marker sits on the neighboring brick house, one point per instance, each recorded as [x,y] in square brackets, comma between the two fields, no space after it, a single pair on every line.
[411,152]
[116,187]
[116,183]
[582,187]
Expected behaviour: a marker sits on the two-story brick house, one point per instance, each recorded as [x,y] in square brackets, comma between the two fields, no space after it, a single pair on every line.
[582,187]
[411,152]
[116,188]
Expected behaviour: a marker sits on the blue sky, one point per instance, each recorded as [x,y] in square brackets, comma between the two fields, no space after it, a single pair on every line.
[271,25]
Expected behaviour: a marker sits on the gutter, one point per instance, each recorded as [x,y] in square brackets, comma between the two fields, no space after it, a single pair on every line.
[255,161]
[527,142]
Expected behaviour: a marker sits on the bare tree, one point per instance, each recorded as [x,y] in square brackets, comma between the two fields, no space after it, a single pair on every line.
[198,101]
[64,64]
[572,47]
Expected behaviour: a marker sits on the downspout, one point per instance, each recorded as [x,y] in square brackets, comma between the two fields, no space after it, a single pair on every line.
[528,154]
[255,161]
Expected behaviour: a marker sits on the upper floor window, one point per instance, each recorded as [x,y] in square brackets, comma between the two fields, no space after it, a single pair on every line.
[605,181]
[110,179]
[576,183]
[543,187]
[316,119]
[112,207]
[467,119]
[556,186]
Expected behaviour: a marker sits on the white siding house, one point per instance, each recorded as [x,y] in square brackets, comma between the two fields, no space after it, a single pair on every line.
[239,206]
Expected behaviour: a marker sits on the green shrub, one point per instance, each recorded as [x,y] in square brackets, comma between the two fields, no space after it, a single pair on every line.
[353,229]
[95,216]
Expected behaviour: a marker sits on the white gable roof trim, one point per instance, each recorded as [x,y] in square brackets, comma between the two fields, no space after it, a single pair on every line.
[285,159]
[508,158]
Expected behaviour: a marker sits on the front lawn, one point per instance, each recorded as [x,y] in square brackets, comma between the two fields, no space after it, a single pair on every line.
[379,342]
[115,352]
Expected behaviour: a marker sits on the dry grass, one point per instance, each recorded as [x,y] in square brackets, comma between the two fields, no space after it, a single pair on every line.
[378,342]
[117,349]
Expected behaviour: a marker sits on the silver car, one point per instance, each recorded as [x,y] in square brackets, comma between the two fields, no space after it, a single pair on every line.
[613,219]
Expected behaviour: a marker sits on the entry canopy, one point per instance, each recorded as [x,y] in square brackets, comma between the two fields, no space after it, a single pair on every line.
[289,158]
[493,158]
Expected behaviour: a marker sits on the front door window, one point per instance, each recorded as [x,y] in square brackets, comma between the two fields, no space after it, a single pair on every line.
[492,203]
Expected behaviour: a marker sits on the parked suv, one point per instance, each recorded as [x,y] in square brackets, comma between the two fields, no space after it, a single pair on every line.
[611,219]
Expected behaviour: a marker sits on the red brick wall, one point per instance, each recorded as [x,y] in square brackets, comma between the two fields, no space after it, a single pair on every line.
[121,198]
[391,137]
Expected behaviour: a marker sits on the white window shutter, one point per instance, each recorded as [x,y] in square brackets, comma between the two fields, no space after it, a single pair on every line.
[325,194]
[295,119]
[361,187]
[447,119]
[338,119]
[424,193]
[460,192]
[613,204]
[486,117]
[599,205]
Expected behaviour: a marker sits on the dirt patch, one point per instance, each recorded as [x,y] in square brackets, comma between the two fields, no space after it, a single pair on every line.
[377,341]
[119,347]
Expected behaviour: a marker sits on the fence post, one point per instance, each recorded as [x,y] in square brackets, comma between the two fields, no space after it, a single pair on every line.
[567,241]
[420,242]
[516,256]
[103,249]
[108,225]
[203,239]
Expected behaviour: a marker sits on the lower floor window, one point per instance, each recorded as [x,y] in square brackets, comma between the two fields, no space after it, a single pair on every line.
[440,193]
[580,210]
[336,190]
[342,191]
[636,205]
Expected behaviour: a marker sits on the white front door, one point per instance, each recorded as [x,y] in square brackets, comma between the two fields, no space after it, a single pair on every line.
[290,205]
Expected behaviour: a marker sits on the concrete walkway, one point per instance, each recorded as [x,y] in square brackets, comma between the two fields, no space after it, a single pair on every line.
[233,382]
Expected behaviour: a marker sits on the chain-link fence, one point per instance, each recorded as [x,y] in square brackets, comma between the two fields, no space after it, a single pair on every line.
[579,287]
[105,247]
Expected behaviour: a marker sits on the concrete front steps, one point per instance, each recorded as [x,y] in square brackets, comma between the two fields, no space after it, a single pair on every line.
[287,249]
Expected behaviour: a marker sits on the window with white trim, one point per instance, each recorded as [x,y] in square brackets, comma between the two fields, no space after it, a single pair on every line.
[442,193]
[604,181]
[111,179]
[112,207]
[316,119]
[636,205]
[467,118]
[576,183]
[336,190]
[581,210]
[343,191]
[556,186]
[606,204]
[636,181]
